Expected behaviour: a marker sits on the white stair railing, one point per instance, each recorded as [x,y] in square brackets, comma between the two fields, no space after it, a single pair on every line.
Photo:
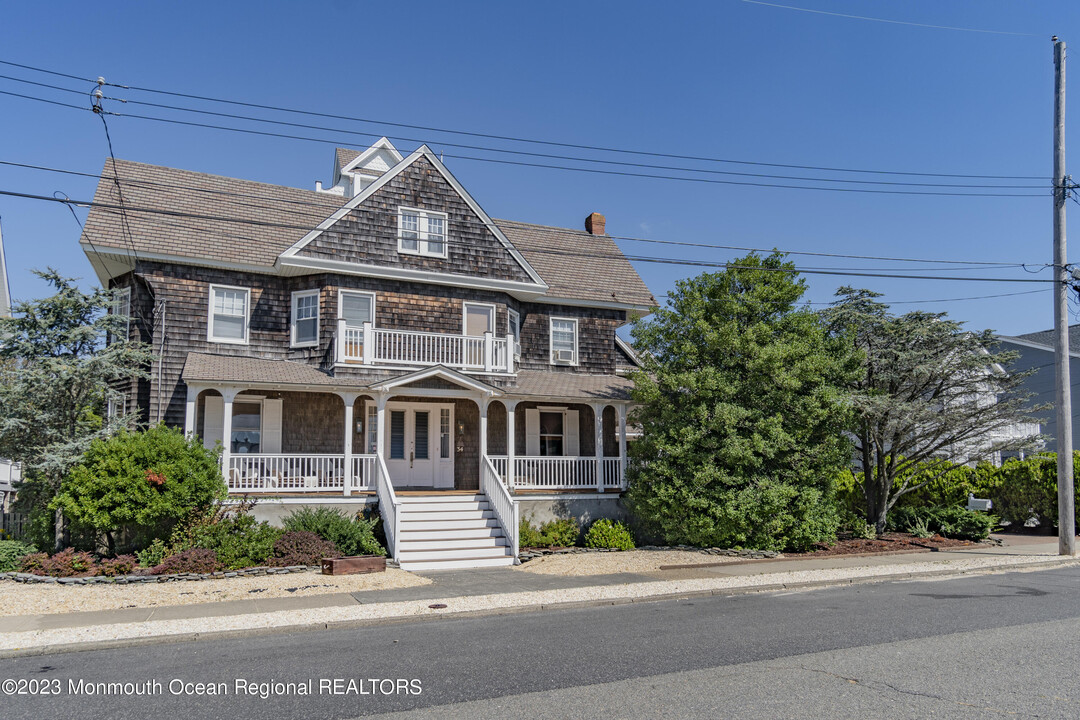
[388,506]
[502,502]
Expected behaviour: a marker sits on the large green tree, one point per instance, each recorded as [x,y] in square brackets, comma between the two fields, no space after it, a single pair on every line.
[930,394]
[58,376]
[742,407]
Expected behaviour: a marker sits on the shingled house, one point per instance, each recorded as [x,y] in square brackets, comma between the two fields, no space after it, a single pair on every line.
[379,339]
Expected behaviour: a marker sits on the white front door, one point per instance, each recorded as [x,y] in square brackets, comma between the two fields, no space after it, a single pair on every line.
[418,445]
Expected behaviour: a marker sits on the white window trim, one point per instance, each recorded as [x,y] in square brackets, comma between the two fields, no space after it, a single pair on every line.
[465,315]
[210,316]
[317,293]
[515,316]
[422,239]
[341,303]
[122,298]
[551,341]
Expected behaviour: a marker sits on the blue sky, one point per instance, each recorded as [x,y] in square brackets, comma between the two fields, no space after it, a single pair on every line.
[721,79]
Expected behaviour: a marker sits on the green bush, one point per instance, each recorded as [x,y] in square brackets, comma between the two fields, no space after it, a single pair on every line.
[561,532]
[921,529]
[952,522]
[140,485]
[12,553]
[239,541]
[352,536]
[153,554]
[606,533]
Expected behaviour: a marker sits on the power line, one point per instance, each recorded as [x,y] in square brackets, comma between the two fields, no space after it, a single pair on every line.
[943,300]
[891,22]
[509,138]
[275,204]
[521,163]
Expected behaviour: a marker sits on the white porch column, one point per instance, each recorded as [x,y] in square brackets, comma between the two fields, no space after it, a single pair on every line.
[227,395]
[598,423]
[380,423]
[510,437]
[483,402]
[622,444]
[190,410]
[349,399]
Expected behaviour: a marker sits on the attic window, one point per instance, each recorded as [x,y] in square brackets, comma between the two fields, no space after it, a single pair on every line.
[421,232]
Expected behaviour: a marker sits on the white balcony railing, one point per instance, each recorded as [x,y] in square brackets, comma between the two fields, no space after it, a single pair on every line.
[369,345]
[562,473]
[307,473]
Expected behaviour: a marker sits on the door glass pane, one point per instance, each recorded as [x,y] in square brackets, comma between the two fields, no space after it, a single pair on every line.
[397,434]
[356,309]
[373,429]
[551,434]
[421,434]
[478,319]
[444,433]
[246,424]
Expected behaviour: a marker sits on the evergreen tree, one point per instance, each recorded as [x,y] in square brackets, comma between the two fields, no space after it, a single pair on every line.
[742,408]
[58,377]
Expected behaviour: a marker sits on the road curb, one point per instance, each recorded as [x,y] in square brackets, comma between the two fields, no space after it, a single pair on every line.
[569,605]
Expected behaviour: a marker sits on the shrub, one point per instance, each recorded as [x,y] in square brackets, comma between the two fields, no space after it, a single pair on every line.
[562,532]
[951,522]
[140,484]
[67,563]
[119,565]
[12,553]
[921,529]
[298,547]
[192,560]
[352,536]
[153,554]
[606,533]
[237,541]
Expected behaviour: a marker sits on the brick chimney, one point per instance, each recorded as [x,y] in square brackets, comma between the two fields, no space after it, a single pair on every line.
[595,224]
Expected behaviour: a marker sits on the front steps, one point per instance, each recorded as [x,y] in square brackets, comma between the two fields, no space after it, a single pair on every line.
[446,532]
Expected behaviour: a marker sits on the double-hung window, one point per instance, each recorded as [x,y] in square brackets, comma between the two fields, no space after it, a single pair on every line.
[564,341]
[305,318]
[121,306]
[230,308]
[515,329]
[421,232]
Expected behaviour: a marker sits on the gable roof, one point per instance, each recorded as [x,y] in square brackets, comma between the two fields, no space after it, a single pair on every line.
[1045,338]
[211,220]
[579,265]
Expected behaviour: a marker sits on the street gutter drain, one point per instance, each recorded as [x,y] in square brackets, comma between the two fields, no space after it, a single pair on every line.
[438,606]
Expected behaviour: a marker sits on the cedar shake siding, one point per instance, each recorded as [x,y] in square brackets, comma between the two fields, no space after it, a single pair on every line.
[368,234]
[398,305]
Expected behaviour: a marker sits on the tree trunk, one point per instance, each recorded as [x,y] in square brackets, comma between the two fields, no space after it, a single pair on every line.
[58,535]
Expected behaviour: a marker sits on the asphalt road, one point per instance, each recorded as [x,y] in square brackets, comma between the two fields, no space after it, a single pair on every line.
[967,648]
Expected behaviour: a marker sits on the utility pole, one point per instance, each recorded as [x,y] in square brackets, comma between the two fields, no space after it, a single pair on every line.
[1066,530]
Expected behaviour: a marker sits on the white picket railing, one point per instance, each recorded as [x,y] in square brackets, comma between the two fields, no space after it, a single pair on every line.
[502,502]
[298,473]
[379,346]
[388,505]
[561,473]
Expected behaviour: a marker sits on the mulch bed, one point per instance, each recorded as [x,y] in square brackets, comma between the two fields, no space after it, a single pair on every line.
[888,543]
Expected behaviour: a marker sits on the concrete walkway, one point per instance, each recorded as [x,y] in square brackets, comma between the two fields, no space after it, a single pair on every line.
[501,589]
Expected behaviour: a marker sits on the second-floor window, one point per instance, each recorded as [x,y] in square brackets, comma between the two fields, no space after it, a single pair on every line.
[421,232]
[121,305]
[514,323]
[305,318]
[229,312]
[564,341]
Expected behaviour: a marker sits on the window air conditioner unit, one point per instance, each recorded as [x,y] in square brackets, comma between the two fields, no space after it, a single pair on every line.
[564,356]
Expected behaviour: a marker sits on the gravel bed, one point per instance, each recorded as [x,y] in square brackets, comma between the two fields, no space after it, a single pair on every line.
[44,599]
[280,619]
[606,563]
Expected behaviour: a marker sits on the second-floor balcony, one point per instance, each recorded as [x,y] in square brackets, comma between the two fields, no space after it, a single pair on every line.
[368,345]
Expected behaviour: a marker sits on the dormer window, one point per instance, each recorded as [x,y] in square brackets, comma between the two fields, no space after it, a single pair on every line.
[421,232]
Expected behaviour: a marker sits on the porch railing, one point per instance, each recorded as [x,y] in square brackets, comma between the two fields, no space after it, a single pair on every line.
[502,502]
[388,505]
[533,472]
[369,345]
[298,473]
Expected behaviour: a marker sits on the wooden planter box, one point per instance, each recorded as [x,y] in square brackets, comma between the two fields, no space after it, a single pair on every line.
[353,565]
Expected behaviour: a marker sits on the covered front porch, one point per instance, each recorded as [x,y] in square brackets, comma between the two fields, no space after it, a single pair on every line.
[440,432]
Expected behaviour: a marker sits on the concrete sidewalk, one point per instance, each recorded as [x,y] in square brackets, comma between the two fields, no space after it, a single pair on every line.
[500,590]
